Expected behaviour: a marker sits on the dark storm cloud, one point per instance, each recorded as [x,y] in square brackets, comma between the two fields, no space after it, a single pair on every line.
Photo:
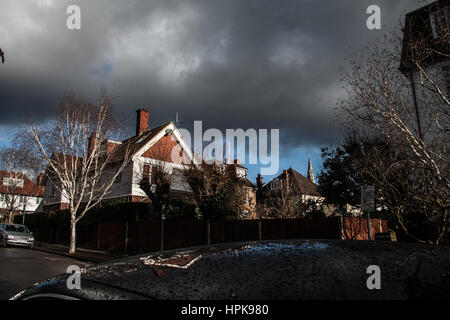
[230,63]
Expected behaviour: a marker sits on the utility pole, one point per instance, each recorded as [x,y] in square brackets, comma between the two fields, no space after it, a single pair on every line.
[163,218]
[368,205]
[23,213]
[415,104]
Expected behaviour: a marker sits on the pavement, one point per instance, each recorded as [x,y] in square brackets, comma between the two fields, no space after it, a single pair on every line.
[86,255]
[20,268]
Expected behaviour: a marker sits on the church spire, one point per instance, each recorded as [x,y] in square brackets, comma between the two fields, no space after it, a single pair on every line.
[310,171]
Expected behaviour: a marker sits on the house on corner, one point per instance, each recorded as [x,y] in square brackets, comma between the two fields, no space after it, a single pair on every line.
[149,148]
[160,147]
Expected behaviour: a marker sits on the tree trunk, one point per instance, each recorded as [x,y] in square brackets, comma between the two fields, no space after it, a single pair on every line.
[72,233]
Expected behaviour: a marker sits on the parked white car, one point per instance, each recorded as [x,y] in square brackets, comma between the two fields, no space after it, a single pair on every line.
[15,234]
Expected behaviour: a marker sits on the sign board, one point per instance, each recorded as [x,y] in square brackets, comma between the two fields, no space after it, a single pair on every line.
[368,198]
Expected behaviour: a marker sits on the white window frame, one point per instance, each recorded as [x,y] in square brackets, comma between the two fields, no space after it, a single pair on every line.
[13,182]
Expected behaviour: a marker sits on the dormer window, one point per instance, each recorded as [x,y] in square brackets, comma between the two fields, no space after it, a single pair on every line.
[439,21]
[240,172]
[275,184]
[145,136]
[13,182]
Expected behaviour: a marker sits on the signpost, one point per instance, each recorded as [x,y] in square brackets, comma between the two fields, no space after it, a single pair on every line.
[368,204]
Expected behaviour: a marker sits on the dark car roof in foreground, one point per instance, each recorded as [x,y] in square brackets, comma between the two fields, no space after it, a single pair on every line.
[297,269]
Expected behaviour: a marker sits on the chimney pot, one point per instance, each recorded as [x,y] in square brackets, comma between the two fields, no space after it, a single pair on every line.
[286,176]
[142,121]
[39,179]
[91,143]
[259,180]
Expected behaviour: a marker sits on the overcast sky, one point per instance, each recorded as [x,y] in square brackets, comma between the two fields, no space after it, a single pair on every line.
[230,63]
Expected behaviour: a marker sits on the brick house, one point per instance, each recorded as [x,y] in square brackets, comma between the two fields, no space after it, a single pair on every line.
[291,189]
[150,148]
[291,179]
[19,193]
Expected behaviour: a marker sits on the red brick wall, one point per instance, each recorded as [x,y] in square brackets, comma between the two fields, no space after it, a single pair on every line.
[162,149]
[356,228]
[56,207]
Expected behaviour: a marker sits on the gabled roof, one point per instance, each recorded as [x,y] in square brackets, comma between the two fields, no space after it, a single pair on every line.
[61,158]
[29,187]
[146,140]
[118,153]
[304,185]
[136,143]
[248,183]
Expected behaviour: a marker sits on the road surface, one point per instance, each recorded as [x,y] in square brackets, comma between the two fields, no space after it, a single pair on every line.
[20,268]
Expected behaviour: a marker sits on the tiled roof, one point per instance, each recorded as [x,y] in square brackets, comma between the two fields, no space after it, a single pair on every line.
[248,183]
[136,143]
[59,157]
[118,153]
[29,187]
[305,186]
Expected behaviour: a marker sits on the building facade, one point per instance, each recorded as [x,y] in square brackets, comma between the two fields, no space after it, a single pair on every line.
[19,194]
[161,147]
[425,59]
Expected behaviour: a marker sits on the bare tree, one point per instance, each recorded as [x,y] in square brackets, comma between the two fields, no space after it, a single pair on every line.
[412,171]
[74,148]
[286,202]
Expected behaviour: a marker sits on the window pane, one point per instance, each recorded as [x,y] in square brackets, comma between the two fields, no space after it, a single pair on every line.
[446,70]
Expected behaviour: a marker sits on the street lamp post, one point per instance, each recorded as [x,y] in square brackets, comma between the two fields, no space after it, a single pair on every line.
[368,205]
[163,217]
[23,214]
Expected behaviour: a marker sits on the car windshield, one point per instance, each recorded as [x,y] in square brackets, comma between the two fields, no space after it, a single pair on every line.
[13,228]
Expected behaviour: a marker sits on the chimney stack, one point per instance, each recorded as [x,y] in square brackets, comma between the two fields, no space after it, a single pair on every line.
[259,181]
[142,121]
[286,175]
[39,179]
[91,143]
